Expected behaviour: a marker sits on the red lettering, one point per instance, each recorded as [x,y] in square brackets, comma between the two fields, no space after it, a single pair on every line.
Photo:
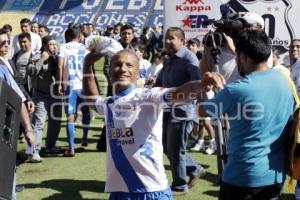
[179,8]
[192,8]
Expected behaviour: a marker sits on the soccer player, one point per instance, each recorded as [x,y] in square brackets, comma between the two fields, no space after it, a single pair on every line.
[133,118]
[70,65]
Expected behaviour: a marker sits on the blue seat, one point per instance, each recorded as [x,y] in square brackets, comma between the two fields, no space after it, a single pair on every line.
[21,5]
[2,3]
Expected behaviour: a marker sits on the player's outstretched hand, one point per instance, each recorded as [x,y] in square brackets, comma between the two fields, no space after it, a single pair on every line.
[211,80]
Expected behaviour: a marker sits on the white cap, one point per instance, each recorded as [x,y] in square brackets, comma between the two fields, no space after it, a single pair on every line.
[253,18]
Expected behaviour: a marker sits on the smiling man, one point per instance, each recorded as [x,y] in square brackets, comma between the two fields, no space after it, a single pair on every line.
[134,130]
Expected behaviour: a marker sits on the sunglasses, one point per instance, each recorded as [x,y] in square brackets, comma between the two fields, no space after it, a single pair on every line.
[2,43]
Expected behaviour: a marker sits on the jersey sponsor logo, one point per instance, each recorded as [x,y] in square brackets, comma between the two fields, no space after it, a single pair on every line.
[124,135]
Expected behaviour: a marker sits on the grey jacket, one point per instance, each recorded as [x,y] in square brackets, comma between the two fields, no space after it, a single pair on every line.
[42,74]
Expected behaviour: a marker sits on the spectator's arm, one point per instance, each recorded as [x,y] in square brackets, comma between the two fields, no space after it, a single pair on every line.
[29,136]
[40,63]
[229,44]
[59,76]
[206,64]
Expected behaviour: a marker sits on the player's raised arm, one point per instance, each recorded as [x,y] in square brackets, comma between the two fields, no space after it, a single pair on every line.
[90,89]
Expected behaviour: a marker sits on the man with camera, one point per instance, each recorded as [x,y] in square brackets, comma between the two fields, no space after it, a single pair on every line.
[226,48]
[255,168]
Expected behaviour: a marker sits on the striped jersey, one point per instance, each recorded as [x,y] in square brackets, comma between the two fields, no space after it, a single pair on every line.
[133,121]
[73,54]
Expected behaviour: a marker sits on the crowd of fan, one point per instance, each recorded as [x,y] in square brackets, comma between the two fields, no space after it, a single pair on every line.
[38,64]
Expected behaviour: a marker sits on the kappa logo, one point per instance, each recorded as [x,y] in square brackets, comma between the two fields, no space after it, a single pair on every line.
[193,2]
[192,6]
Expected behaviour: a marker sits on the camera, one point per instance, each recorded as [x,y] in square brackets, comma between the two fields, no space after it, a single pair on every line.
[230,24]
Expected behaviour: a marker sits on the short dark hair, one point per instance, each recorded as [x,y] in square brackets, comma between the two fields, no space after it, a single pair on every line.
[71,24]
[295,39]
[24,35]
[179,32]
[72,33]
[118,24]
[127,26]
[141,47]
[194,41]
[254,44]
[44,27]
[47,39]
[275,51]
[7,27]
[25,21]
[159,55]
[2,31]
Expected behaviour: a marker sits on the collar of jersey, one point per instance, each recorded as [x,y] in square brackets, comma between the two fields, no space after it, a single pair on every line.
[125,92]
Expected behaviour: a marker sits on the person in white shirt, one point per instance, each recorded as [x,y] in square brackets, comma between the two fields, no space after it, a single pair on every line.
[35,27]
[227,62]
[70,65]
[154,70]
[144,64]
[36,42]
[117,30]
[276,62]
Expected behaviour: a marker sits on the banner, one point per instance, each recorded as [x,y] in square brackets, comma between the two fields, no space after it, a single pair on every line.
[190,14]
[280,16]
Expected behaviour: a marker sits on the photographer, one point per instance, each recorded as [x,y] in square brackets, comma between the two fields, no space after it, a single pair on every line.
[227,63]
[255,168]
